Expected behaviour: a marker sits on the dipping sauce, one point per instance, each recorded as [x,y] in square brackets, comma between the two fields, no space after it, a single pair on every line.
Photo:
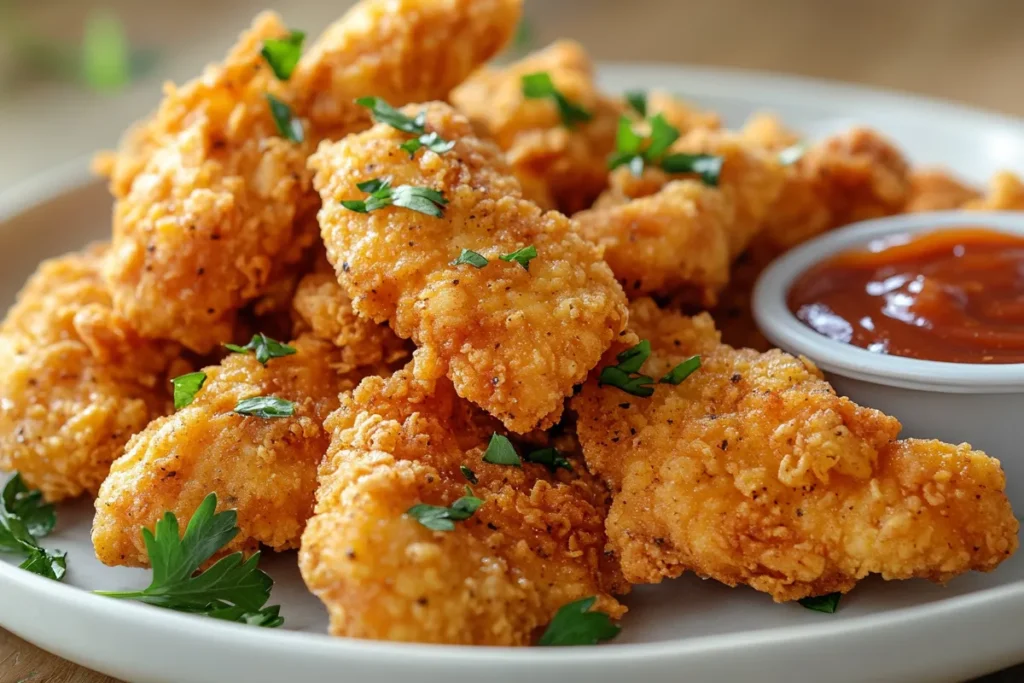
[950,295]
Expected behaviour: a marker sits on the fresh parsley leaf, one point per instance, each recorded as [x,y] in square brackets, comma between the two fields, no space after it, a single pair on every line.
[549,457]
[792,154]
[681,371]
[707,166]
[575,624]
[385,113]
[421,199]
[470,257]
[106,53]
[637,99]
[539,86]
[265,406]
[624,375]
[186,387]
[380,196]
[521,256]
[822,603]
[282,54]
[264,347]
[635,150]
[288,126]
[24,517]
[663,134]
[438,518]
[500,451]
[233,588]
[469,474]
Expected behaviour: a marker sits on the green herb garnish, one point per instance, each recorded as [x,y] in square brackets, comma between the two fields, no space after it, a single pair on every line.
[635,150]
[681,371]
[288,126]
[233,588]
[624,375]
[575,624]
[186,387]
[385,113]
[421,199]
[549,457]
[707,166]
[539,85]
[265,406]
[264,347]
[469,474]
[440,518]
[521,256]
[822,603]
[637,99]
[24,518]
[470,257]
[500,451]
[282,54]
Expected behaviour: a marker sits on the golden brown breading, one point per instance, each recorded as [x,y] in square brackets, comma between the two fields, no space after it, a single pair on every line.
[676,239]
[513,341]
[571,161]
[322,309]
[535,544]
[1005,193]
[935,189]
[213,206]
[754,471]
[401,50]
[767,130]
[682,115]
[265,468]
[75,380]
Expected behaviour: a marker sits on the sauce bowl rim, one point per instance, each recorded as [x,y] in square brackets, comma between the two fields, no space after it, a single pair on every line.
[785,330]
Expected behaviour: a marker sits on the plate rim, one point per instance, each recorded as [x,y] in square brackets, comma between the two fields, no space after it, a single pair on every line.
[41,188]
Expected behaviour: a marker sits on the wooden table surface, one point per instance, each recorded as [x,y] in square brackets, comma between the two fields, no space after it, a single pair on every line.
[967,50]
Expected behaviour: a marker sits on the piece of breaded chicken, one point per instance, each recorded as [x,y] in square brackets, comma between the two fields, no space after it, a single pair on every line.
[675,239]
[753,471]
[535,544]
[513,337]
[75,380]
[400,50]
[1005,193]
[767,130]
[681,115]
[571,160]
[263,467]
[936,189]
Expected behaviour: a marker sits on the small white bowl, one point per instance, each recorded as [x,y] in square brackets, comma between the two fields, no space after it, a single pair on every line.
[955,402]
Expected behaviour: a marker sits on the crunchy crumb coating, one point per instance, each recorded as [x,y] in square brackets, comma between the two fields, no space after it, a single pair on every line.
[535,544]
[1005,193]
[676,239]
[401,50]
[211,201]
[513,341]
[322,309]
[75,380]
[767,130]
[936,189]
[265,468]
[753,471]
[573,163]
[683,115]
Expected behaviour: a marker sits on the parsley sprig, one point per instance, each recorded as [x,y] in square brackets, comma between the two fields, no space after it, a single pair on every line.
[549,457]
[439,518]
[186,387]
[637,151]
[264,347]
[539,86]
[265,407]
[421,199]
[576,624]
[680,372]
[282,54]
[521,256]
[500,451]
[233,588]
[24,518]
[385,113]
[289,127]
[822,603]
[626,374]
[637,99]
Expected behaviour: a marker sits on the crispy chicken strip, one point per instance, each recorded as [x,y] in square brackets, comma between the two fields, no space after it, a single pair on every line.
[753,471]
[535,544]
[75,380]
[571,161]
[265,468]
[935,189]
[514,340]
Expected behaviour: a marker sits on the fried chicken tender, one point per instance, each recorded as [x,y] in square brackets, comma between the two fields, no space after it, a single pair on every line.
[265,468]
[1005,193]
[676,239]
[935,189]
[682,115]
[767,130]
[212,203]
[571,161]
[401,50]
[76,381]
[753,471]
[514,340]
[535,544]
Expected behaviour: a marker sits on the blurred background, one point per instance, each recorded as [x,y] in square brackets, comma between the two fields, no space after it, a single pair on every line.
[74,73]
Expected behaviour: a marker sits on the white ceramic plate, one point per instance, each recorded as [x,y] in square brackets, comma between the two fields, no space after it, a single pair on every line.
[681,630]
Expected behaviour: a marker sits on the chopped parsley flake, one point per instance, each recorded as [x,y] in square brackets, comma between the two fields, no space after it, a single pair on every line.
[265,406]
[288,126]
[549,457]
[282,54]
[186,387]
[637,99]
[438,518]
[500,451]
[385,113]
[521,256]
[539,85]
[24,518]
[822,603]
[470,257]
[469,474]
[625,375]
[421,199]
[681,371]
[264,347]
[707,166]
[575,624]
[636,151]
